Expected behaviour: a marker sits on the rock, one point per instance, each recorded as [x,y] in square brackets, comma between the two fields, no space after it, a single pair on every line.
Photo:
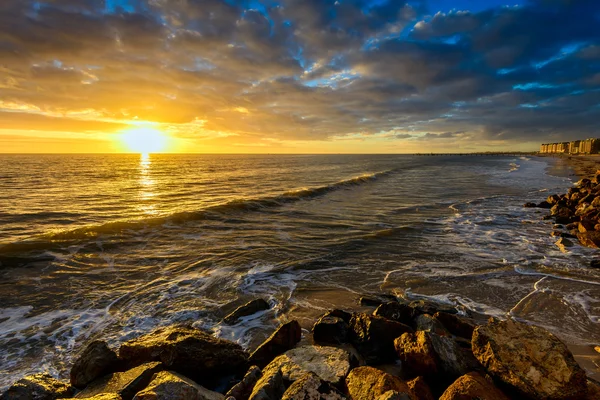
[563,243]
[396,311]
[457,325]
[473,386]
[553,199]
[595,263]
[589,239]
[529,205]
[38,387]
[269,387]
[367,383]
[249,308]
[393,395]
[428,307]
[125,384]
[426,322]
[243,389]
[420,389]
[329,329]
[283,339]
[593,390]
[544,204]
[374,336]
[330,364]
[191,352]
[428,354]
[106,396]
[369,302]
[95,361]
[339,314]
[529,359]
[168,385]
[311,387]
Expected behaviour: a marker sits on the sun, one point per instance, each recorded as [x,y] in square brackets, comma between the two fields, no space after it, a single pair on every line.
[145,140]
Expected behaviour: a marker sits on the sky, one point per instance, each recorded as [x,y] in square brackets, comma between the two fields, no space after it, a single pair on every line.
[298,76]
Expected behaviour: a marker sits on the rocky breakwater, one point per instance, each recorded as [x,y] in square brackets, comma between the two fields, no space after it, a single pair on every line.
[401,350]
[576,214]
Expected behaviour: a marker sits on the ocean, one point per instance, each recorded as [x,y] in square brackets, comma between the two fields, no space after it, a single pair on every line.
[113,246]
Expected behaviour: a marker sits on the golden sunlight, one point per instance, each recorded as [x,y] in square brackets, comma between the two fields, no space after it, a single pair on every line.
[145,140]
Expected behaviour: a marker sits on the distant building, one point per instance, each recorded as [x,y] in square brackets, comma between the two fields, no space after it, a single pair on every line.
[587,146]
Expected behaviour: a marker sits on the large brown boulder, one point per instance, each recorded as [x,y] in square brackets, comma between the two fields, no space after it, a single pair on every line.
[428,354]
[589,239]
[269,387]
[374,336]
[420,389]
[395,311]
[311,387]
[330,329]
[38,387]
[473,386]
[529,359]
[367,383]
[167,385]
[125,384]
[243,389]
[252,307]
[95,361]
[457,325]
[191,352]
[283,339]
[330,364]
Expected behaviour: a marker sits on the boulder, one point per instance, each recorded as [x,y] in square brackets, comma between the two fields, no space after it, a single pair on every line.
[429,307]
[420,389]
[311,387]
[529,205]
[529,359]
[544,204]
[428,354]
[589,239]
[553,199]
[191,352]
[167,385]
[243,389]
[473,386]
[374,336]
[329,329]
[393,395]
[330,364]
[369,302]
[367,383]
[593,390]
[457,325]
[106,396]
[38,387]
[95,361]
[269,387]
[393,310]
[252,307]
[339,314]
[283,339]
[563,244]
[125,384]
[426,322]
[595,263]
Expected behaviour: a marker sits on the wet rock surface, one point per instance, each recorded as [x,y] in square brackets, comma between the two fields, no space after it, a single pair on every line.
[373,336]
[311,387]
[252,307]
[167,385]
[367,383]
[243,389]
[330,329]
[125,384]
[473,386]
[191,352]
[95,361]
[283,339]
[529,359]
[38,387]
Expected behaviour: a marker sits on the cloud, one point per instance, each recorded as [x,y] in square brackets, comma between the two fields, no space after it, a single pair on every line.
[303,69]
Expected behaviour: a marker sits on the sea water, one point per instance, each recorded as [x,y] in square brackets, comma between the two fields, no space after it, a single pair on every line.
[113,246]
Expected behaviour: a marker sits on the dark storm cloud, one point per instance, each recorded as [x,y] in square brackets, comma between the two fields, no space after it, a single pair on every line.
[305,69]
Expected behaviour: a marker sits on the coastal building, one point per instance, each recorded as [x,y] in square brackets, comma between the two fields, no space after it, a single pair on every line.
[587,146]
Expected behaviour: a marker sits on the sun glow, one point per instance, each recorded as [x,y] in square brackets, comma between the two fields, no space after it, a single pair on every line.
[145,140]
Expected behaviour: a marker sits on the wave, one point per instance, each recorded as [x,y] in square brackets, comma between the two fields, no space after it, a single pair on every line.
[58,239]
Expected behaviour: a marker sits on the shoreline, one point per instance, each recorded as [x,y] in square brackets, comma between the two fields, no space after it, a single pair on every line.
[396,349]
[571,166]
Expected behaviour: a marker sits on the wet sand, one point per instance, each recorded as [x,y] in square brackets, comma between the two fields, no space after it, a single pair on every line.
[574,166]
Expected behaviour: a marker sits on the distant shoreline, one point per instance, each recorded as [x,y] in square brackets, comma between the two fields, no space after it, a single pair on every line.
[584,166]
